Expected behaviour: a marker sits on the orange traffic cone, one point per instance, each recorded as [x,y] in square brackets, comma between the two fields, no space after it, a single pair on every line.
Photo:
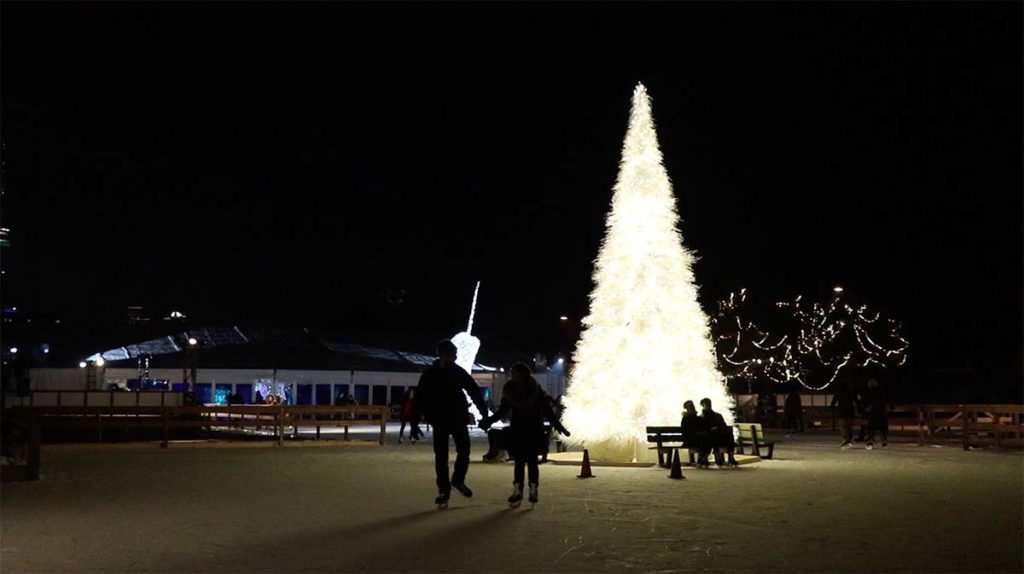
[677,469]
[585,473]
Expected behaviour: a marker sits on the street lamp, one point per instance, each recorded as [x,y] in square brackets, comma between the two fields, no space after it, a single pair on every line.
[190,381]
[837,289]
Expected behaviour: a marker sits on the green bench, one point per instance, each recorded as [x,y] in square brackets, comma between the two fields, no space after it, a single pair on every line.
[752,435]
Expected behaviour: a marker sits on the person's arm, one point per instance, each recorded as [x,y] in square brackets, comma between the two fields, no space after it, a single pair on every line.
[421,405]
[549,413]
[499,414]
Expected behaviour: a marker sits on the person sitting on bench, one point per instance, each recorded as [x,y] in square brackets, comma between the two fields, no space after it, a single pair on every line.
[692,428]
[715,435]
[497,440]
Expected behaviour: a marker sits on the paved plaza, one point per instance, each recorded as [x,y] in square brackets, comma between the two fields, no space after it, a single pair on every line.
[323,506]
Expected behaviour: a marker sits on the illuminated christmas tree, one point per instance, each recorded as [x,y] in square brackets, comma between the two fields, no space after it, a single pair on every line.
[645,346]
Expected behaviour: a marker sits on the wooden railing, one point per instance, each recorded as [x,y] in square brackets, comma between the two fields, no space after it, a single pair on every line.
[276,417]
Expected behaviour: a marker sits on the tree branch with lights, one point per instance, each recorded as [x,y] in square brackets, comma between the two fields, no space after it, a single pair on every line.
[747,352]
[837,336]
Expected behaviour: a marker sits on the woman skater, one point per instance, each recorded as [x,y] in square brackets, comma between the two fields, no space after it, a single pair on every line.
[526,405]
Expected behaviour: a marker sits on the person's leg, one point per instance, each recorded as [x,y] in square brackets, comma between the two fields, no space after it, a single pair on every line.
[401,430]
[460,434]
[533,469]
[883,429]
[414,430]
[847,424]
[517,473]
[441,459]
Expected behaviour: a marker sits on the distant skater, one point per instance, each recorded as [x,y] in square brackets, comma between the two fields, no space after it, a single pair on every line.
[442,403]
[527,406]
[878,417]
[845,404]
[794,411]
[409,416]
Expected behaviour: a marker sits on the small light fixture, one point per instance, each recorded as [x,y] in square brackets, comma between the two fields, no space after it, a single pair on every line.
[14,350]
[81,364]
[100,362]
[838,289]
[563,318]
[192,341]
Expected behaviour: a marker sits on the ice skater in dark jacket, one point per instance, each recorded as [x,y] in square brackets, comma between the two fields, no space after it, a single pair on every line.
[527,406]
[442,403]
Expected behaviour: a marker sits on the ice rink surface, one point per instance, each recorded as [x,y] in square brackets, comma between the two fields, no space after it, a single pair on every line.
[326,506]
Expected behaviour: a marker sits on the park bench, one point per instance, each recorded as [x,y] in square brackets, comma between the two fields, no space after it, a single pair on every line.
[666,439]
[752,435]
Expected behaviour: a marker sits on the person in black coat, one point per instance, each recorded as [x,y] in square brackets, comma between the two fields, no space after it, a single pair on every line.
[527,406]
[440,400]
[876,407]
[844,402]
[693,427]
[794,411]
[717,435]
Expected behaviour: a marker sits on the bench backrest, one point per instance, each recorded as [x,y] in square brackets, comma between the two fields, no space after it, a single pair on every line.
[750,432]
[664,434]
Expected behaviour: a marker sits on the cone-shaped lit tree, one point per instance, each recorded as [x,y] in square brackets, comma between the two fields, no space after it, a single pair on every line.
[645,347]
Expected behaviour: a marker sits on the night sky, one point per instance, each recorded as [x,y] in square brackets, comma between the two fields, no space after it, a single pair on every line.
[289,165]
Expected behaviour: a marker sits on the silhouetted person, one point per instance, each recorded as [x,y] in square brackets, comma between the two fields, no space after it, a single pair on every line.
[497,445]
[717,435]
[794,411]
[258,399]
[527,406]
[408,416]
[878,417]
[845,404]
[693,427]
[442,403]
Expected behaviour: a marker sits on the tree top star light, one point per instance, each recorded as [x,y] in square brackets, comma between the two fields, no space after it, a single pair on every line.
[645,347]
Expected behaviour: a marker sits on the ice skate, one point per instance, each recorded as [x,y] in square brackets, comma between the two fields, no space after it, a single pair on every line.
[442,500]
[517,496]
[846,444]
[870,446]
[533,493]
[463,489]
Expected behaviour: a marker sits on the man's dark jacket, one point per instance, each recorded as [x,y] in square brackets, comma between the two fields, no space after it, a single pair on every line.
[439,396]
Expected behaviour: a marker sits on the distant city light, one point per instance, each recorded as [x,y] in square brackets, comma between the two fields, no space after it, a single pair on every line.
[837,289]
[177,315]
[81,364]
[564,318]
